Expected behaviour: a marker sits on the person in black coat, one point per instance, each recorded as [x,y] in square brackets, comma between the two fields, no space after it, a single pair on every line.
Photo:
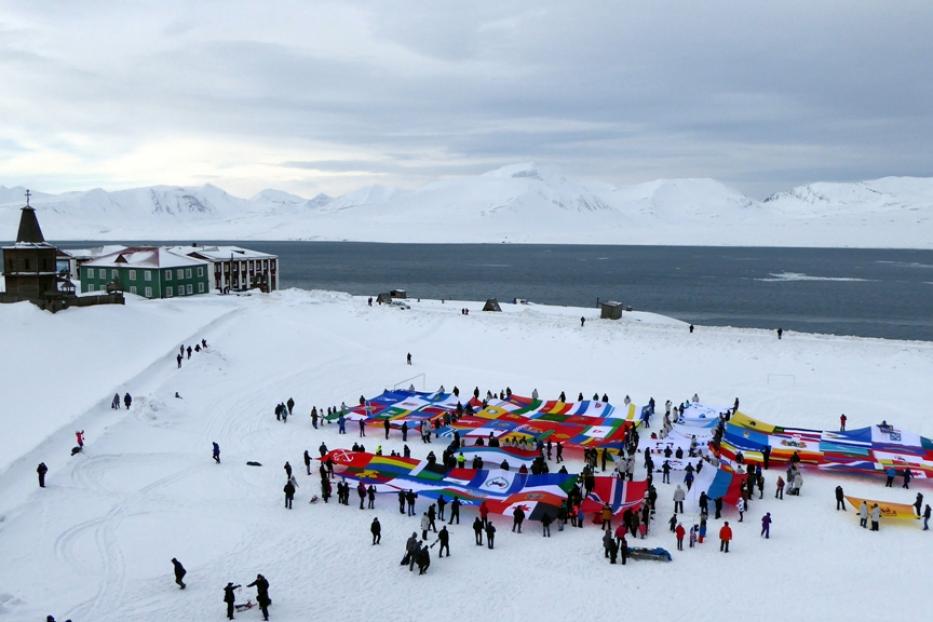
[371,497]
[262,595]
[455,510]
[289,490]
[376,529]
[410,497]
[42,470]
[307,458]
[443,536]
[424,559]
[401,501]
[180,573]
[490,534]
[518,516]
[478,530]
[230,598]
[385,423]
[840,499]
[127,401]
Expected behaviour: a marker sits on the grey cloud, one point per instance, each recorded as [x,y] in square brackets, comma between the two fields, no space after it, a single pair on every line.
[759,94]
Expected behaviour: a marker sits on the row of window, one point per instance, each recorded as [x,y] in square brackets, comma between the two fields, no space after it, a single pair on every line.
[183,290]
[147,274]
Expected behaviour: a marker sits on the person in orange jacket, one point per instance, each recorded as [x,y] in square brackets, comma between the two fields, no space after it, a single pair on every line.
[680,532]
[484,513]
[605,514]
[725,535]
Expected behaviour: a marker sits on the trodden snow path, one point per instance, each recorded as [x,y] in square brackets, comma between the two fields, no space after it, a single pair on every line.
[96,544]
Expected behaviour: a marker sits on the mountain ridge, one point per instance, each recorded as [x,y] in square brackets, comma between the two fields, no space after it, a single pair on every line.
[520,203]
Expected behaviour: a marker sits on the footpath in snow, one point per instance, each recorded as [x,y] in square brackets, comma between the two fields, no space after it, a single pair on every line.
[96,544]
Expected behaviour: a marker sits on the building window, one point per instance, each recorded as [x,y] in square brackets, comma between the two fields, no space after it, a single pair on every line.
[168,275]
[180,274]
[187,273]
[113,273]
[91,287]
[132,289]
[147,275]
[190,289]
[200,288]
[132,275]
[169,292]
[148,292]
[90,273]
[200,271]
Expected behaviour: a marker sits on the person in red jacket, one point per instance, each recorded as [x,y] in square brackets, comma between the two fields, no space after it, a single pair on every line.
[484,513]
[680,531]
[725,535]
[842,422]
[79,437]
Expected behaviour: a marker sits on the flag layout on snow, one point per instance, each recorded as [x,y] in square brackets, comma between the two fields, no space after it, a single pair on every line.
[872,449]
[502,491]
[517,418]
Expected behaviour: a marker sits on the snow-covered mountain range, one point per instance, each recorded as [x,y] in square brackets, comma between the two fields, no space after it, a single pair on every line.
[521,203]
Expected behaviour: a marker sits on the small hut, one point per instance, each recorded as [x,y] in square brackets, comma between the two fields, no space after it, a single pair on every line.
[610,310]
[492,305]
[398,293]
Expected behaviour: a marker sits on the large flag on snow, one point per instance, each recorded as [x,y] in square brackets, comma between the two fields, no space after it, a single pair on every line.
[715,482]
[888,509]
[575,424]
[871,449]
[502,491]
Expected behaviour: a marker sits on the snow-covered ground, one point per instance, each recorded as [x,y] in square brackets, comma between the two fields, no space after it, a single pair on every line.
[520,203]
[95,545]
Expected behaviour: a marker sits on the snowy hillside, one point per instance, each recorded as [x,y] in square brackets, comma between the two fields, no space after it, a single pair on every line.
[520,203]
[96,544]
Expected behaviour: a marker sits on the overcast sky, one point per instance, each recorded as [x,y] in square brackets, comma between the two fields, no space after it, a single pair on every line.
[329,96]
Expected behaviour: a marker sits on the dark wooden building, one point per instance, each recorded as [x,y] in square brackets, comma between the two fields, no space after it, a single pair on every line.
[29,265]
[31,272]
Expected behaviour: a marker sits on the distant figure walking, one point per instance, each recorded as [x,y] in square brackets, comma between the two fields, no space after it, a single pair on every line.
[127,401]
[780,333]
[180,573]
[216,452]
[766,526]
[42,470]
[691,329]
[79,437]
[582,321]
[408,358]
[115,403]
[842,422]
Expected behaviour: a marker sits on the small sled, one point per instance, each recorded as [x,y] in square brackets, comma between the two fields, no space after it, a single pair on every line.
[314,499]
[76,450]
[657,554]
[253,463]
[244,606]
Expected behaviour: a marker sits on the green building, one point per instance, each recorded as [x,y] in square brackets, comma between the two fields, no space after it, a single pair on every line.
[151,272]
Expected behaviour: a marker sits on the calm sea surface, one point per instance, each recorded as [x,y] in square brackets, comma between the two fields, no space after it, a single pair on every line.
[874,293]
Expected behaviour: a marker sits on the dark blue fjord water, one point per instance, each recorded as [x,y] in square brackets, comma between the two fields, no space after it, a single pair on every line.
[872,293]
